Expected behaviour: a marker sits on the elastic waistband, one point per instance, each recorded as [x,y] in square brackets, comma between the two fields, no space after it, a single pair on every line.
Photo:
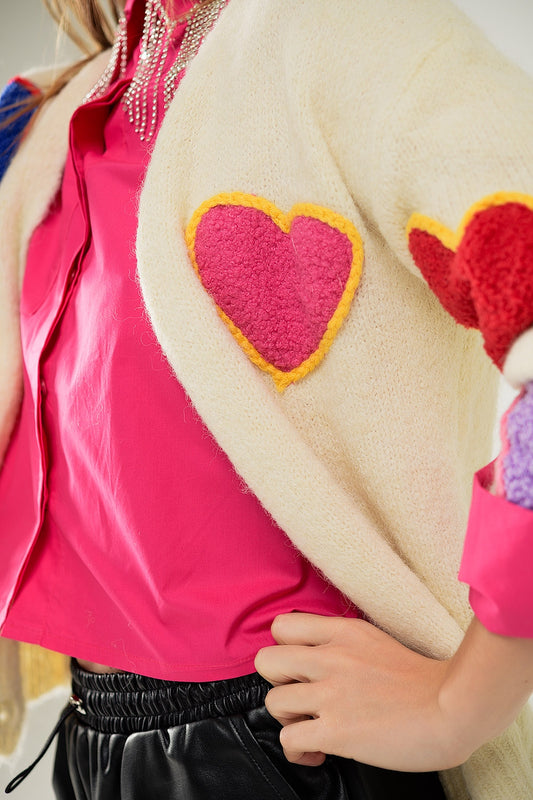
[126,703]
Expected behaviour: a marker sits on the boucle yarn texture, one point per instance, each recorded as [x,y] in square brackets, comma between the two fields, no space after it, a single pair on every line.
[518,461]
[373,112]
[282,283]
[487,281]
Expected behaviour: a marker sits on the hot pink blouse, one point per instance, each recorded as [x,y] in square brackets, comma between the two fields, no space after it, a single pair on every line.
[127,537]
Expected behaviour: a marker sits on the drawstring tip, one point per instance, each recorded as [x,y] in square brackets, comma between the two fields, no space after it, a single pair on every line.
[17,780]
[74,705]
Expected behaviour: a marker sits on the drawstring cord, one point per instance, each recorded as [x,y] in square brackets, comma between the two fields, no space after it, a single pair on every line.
[75,705]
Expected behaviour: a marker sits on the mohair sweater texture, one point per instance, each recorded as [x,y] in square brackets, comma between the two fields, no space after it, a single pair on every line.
[369,112]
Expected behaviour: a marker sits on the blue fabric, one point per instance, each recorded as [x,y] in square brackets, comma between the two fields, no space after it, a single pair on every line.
[10,96]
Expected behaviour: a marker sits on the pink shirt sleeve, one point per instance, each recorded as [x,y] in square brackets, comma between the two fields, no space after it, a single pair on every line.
[485,281]
[498,560]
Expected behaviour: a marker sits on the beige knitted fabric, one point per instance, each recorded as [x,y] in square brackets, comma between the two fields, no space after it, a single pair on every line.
[375,110]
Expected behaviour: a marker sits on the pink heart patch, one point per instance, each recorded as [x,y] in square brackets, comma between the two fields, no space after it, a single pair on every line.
[283,283]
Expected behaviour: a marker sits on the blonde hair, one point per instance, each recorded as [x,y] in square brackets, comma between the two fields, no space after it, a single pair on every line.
[91,25]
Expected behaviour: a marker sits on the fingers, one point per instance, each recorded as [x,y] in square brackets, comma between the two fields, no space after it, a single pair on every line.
[305,759]
[306,629]
[301,743]
[286,664]
[293,702]
[303,652]
[291,705]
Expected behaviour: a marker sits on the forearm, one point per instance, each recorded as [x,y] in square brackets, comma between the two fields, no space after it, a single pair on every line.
[487,682]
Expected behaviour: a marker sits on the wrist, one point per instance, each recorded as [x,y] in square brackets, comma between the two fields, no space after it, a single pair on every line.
[485,686]
[463,727]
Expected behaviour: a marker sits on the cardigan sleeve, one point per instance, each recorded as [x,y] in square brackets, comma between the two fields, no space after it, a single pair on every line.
[482,273]
[15,93]
[433,130]
[441,161]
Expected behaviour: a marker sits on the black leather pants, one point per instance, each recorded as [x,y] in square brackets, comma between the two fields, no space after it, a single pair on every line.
[141,739]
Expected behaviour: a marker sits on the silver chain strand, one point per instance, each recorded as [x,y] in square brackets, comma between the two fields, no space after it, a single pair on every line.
[155,42]
[200,23]
[141,97]
[118,58]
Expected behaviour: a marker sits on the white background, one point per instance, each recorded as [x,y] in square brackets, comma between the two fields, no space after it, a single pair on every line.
[27,39]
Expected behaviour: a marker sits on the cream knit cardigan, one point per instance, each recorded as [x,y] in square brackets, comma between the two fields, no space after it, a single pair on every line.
[375,110]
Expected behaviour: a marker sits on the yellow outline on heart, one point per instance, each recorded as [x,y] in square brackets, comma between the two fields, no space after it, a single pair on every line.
[452,239]
[284,221]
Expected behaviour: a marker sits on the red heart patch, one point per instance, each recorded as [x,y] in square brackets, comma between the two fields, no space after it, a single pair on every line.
[482,274]
[283,283]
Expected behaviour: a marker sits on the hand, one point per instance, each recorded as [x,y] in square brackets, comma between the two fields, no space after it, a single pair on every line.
[344,687]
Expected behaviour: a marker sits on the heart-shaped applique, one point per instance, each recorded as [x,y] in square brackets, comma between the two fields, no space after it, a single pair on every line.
[482,274]
[283,283]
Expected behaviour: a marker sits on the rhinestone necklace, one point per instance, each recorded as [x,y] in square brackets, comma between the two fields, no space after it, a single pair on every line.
[118,58]
[199,24]
[141,97]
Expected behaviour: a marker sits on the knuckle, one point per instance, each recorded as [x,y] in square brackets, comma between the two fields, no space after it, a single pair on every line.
[348,629]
